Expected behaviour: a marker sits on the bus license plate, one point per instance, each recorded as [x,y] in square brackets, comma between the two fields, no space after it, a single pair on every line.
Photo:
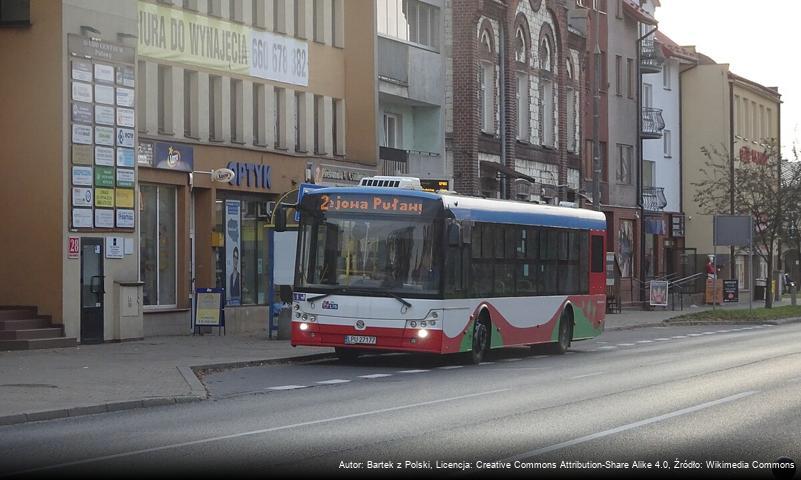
[353,339]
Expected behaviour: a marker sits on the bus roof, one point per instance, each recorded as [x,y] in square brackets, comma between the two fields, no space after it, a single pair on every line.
[491,210]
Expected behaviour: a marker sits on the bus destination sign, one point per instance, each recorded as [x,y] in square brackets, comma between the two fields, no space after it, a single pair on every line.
[392,204]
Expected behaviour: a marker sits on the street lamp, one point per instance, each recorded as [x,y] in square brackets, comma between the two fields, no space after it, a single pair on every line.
[219,175]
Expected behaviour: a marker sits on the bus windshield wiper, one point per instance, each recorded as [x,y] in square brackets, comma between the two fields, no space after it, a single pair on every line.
[346,290]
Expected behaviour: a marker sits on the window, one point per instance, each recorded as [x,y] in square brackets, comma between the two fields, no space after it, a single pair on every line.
[259,137]
[299,15]
[392,130]
[157,237]
[746,119]
[237,132]
[336,28]
[409,20]
[618,75]
[523,112]
[572,142]
[754,131]
[259,13]
[279,112]
[647,95]
[190,104]
[214,8]
[190,4]
[624,164]
[215,107]
[319,125]
[235,10]
[520,45]
[769,124]
[598,257]
[666,71]
[737,113]
[300,119]
[164,99]
[487,96]
[667,144]
[548,134]
[318,15]
[338,126]
[279,16]
[630,76]
[15,12]
[648,173]
[761,134]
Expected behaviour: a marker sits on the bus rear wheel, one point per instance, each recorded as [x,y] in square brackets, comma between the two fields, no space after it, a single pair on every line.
[480,342]
[346,354]
[565,333]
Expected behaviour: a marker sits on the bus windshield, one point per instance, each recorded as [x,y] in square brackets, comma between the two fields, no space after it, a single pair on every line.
[397,253]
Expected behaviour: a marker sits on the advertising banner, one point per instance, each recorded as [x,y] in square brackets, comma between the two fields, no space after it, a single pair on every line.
[659,293]
[232,252]
[731,291]
[208,306]
[181,36]
[173,156]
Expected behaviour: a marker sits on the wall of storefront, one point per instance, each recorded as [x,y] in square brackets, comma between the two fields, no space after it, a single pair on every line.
[30,134]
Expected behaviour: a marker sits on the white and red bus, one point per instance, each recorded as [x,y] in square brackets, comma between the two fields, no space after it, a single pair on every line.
[387,268]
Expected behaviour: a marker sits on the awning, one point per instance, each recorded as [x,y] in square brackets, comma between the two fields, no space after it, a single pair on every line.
[634,11]
[509,172]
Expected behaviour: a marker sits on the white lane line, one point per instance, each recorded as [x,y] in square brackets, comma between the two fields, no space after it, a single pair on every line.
[257,432]
[413,371]
[708,333]
[625,344]
[511,359]
[768,324]
[601,343]
[375,375]
[694,334]
[661,339]
[450,367]
[539,356]
[645,341]
[333,381]
[287,387]
[486,363]
[679,336]
[724,331]
[629,426]
[587,375]
[608,347]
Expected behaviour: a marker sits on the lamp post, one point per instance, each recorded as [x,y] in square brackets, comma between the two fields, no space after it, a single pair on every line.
[220,175]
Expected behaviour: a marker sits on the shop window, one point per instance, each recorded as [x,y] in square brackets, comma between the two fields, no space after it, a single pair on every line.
[158,245]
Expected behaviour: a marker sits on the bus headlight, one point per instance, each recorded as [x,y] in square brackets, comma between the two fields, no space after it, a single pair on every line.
[304,326]
[422,333]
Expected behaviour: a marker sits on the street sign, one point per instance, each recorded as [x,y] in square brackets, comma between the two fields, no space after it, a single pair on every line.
[733,230]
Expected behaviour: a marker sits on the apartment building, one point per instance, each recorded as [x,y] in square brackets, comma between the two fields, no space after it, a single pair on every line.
[513,99]
[272,89]
[728,112]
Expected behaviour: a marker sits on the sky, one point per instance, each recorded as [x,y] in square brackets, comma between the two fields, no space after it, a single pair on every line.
[758,39]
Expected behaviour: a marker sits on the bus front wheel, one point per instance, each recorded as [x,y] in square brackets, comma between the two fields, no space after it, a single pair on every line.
[565,333]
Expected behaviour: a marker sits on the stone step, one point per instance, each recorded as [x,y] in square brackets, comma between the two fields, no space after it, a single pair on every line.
[30,333]
[17,313]
[24,324]
[37,343]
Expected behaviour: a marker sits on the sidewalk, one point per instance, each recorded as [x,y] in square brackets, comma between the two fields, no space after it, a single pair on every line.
[46,384]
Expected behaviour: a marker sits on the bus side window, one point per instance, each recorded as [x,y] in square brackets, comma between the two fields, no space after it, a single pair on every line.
[597,254]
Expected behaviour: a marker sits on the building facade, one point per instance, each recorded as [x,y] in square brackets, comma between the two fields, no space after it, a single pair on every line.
[721,110]
[513,99]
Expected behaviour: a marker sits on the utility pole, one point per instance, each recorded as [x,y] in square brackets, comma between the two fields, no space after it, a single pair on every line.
[596,116]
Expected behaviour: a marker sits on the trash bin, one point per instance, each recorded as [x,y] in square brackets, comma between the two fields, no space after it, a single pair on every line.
[759,292]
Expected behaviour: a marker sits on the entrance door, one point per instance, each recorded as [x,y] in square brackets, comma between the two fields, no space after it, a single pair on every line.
[92,290]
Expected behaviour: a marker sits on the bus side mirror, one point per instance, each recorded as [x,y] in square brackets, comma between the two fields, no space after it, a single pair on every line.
[454,234]
[280,219]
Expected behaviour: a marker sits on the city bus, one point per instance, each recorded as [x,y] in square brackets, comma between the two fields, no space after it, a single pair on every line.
[387,266]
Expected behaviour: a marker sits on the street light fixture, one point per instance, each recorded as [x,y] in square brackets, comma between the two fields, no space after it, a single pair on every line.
[219,175]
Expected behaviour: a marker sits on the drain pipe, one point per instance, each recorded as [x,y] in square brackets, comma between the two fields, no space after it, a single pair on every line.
[504,180]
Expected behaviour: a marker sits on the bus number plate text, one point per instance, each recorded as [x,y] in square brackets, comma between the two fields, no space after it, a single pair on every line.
[354,339]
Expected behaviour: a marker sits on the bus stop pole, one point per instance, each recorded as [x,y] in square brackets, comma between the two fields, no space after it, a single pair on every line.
[751,265]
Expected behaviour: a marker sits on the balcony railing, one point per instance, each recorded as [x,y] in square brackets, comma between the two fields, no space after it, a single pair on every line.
[653,199]
[395,161]
[651,58]
[652,122]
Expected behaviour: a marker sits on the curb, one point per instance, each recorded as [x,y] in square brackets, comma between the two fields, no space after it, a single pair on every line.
[776,321]
[190,375]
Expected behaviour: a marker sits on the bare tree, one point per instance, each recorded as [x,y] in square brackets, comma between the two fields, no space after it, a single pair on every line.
[758,192]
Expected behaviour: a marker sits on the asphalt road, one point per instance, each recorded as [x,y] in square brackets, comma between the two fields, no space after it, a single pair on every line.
[679,397]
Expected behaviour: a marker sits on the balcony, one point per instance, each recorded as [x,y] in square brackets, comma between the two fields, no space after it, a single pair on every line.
[653,199]
[652,123]
[395,161]
[651,58]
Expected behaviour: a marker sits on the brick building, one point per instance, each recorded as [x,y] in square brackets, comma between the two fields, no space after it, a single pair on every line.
[513,99]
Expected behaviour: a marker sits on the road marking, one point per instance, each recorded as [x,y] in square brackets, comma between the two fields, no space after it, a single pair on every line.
[601,343]
[608,347]
[287,387]
[587,375]
[724,331]
[645,341]
[450,367]
[708,333]
[511,359]
[255,432]
[629,426]
[539,356]
[625,344]
[661,339]
[334,381]
[694,334]
[376,375]
[768,325]
[679,336]
[413,371]
[486,363]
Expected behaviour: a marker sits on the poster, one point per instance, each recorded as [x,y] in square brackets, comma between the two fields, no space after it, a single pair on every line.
[81,197]
[104,197]
[208,303]
[625,247]
[659,293]
[104,136]
[104,114]
[232,251]
[731,291]
[82,134]
[82,218]
[104,218]
[125,157]
[82,154]
[104,156]
[114,247]
[125,218]
[82,176]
